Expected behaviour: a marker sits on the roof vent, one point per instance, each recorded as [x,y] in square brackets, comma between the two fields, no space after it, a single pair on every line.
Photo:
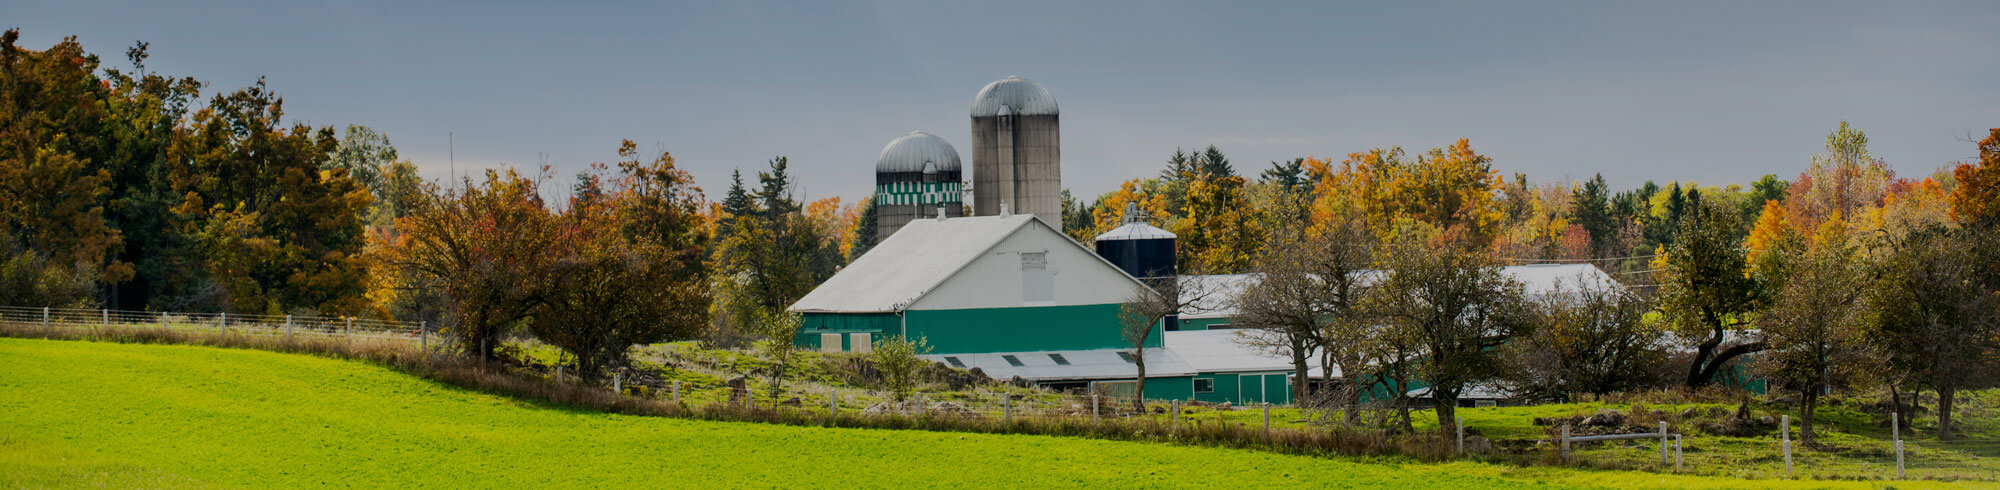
[940,213]
[1003,210]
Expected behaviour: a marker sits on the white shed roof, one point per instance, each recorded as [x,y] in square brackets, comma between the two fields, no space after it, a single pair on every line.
[1224,351]
[1083,364]
[1535,279]
[909,264]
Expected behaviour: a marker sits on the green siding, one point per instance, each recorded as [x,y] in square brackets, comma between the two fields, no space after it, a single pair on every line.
[1028,328]
[1202,323]
[1246,388]
[877,325]
[1163,388]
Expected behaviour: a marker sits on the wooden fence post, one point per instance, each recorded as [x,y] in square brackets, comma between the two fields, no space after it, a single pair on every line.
[1785,433]
[832,405]
[677,391]
[423,335]
[1677,453]
[1459,421]
[1093,406]
[45,317]
[1663,443]
[223,322]
[288,327]
[1565,442]
[350,328]
[1176,407]
[1267,417]
[107,317]
[618,383]
[1006,408]
[1896,434]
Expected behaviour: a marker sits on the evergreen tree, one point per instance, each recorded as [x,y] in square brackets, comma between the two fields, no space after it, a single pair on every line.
[864,231]
[1590,209]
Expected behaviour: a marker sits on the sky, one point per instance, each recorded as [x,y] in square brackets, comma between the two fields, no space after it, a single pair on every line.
[1714,92]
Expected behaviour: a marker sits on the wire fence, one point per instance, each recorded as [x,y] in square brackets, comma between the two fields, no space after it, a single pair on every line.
[225,323]
[1899,455]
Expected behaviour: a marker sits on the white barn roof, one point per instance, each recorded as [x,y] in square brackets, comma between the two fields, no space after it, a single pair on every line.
[1535,279]
[1225,351]
[919,261]
[908,264]
[1083,364]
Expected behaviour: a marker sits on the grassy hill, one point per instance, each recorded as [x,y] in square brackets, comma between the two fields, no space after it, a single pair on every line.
[102,414]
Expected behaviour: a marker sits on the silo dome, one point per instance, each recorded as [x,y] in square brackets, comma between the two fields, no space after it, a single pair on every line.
[1013,96]
[910,152]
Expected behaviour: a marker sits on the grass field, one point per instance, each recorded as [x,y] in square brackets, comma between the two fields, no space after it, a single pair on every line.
[101,414]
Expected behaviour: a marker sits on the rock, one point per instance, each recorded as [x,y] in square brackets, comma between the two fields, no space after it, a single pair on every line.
[1476,444]
[790,402]
[1766,420]
[1717,412]
[1607,418]
[1225,406]
[951,409]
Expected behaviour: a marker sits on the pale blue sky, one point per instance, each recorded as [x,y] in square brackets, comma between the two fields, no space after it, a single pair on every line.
[1717,92]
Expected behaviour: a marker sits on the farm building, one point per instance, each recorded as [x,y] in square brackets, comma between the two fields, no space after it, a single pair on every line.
[1008,294]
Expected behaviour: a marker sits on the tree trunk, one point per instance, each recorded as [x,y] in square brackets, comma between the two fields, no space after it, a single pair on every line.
[1447,410]
[1300,377]
[1139,394]
[1808,402]
[1352,393]
[1944,410]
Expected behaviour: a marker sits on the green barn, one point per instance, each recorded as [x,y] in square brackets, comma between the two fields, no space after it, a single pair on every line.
[1008,294]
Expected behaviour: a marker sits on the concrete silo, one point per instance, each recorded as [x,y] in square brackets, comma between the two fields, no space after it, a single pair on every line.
[915,175]
[1017,150]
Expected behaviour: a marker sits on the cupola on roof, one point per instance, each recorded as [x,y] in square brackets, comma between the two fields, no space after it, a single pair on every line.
[1013,96]
[910,152]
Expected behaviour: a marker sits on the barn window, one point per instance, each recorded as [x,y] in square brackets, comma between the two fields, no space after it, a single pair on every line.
[1204,385]
[954,362]
[1012,361]
[1127,356]
[1058,358]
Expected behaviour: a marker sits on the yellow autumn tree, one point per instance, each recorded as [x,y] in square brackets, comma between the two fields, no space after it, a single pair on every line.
[1110,210]
[1771,225]
[1217,231]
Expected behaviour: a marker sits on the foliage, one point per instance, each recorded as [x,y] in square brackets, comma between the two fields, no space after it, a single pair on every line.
[1706,291]
[1308,300]
[1592,337]
[484,247]
[1977,197]
[898,358]
[1216,231]
[1455,306]
[1813,325]
[1931,308]
[773,253]
[627,267]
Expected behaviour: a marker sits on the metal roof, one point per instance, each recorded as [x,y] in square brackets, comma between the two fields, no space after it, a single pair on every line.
[910,263]
[1135,231]
[1013,96]
[1225,351]
[909,153]
[1083,364]
[1535,279]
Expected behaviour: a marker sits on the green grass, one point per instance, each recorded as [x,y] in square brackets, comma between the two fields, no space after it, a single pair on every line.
[128,415]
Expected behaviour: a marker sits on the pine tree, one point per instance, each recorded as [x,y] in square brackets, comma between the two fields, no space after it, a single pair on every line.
[1589,209]
[864,231]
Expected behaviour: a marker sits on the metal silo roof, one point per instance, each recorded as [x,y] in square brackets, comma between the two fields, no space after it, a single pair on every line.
[1135,231]
[908,154]
[1013,96]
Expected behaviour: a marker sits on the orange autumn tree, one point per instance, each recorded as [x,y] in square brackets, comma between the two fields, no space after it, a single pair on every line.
[1218,232]
[1977,197]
